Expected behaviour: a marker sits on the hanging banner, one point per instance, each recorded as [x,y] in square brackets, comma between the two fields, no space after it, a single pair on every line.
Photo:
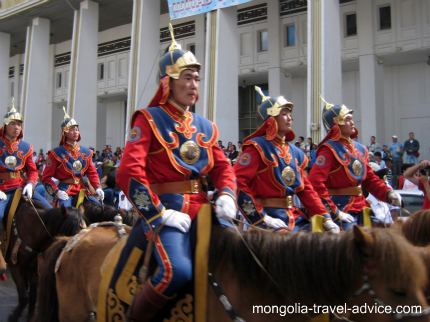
[185,8]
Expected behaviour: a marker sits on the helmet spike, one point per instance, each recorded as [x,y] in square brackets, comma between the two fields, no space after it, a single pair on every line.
[174,45]
[259,91]
[66,116]
[327,104]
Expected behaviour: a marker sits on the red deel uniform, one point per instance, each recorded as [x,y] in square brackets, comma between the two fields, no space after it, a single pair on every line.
[69,163]
[257,175]
[16,160]
[152,155]
[331,171]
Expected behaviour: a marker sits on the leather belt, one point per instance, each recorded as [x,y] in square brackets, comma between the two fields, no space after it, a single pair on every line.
[71,181]
[10,175]
[187,186]
[348,191]
[286,202]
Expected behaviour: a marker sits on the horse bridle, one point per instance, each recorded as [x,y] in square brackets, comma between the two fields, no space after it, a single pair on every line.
[367,288]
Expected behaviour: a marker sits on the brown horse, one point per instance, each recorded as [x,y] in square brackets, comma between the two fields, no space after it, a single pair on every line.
[33,229]
[416,228]
[354,268]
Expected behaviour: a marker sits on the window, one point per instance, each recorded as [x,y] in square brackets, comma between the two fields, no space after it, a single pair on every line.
[263,40]
[58,79]
[192,48]
[100,71]
[350,25]
[290,32]
[384,18]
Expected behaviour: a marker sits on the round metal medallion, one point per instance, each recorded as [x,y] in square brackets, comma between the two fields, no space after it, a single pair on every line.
[288,175]
[356,167]
[10,161]
[189,152]
[77,165]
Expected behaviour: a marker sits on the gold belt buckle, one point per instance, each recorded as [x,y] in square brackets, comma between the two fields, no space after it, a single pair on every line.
[13,175]
[360,191]
[195,186]
[289,202]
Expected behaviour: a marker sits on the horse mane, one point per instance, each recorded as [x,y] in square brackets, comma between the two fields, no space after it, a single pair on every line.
[417,228]
[62,221]
[96,213]
[321,268]
[47,306]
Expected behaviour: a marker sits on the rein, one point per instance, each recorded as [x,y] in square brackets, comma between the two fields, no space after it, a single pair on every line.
[40,218]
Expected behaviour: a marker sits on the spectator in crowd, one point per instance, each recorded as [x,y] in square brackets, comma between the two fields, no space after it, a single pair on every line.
[412,147]
[40,161]
[221,145]
[422,180]
[389,165]
[232,153]
[239,146]
[34,157]
[386,151]
[396,150]
[301,143]
[404,183]
[373,146]
[378,160]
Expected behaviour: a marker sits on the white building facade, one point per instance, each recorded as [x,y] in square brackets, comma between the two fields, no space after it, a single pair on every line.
[100,60]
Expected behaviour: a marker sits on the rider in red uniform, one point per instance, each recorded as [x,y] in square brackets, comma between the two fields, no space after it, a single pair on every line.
[17,168]
[271,171]
[72,165]
[168,153]
[341,169]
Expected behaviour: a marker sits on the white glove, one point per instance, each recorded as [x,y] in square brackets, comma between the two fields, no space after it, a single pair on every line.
[394,198]
[345,217]
[62,195]
[28,190]
[2,195]
[331,227]
[225,207]
[176,219]
[275,223]
[100,193]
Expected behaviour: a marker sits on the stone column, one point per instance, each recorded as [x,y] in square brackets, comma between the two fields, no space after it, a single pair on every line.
[36,93]
[144,54]
[4,72]
[324,60]
[82,95]
[371,75]
[222,70]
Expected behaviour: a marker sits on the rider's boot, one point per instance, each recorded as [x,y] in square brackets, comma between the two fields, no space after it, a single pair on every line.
[146,304]
[2,260]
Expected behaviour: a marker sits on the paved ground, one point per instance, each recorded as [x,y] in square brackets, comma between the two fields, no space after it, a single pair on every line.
[8,298]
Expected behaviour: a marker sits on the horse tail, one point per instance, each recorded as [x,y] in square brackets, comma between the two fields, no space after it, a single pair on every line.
[47,307]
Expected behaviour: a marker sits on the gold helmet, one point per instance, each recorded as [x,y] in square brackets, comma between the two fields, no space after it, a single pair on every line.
[272,106]
[68,122]
[333,114]
[13,114]
[66,125]
[176,60]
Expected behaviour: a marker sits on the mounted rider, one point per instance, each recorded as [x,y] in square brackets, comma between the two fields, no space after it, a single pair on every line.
[341,170]
[71,164]
[17,168]
[271,172]
[169,152]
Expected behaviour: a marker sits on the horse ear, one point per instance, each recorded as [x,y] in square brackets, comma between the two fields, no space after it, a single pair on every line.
[81,210]
[64,211]
[363,240]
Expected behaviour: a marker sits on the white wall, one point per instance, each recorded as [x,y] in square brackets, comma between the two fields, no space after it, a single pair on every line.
[407,103]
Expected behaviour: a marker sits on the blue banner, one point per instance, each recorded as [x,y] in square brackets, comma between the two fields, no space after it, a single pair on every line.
[186,8]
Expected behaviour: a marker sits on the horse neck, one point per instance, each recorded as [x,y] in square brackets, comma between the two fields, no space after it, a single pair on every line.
[313,268]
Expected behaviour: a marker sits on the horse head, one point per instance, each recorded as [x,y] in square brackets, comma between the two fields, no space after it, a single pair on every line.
[354,269]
